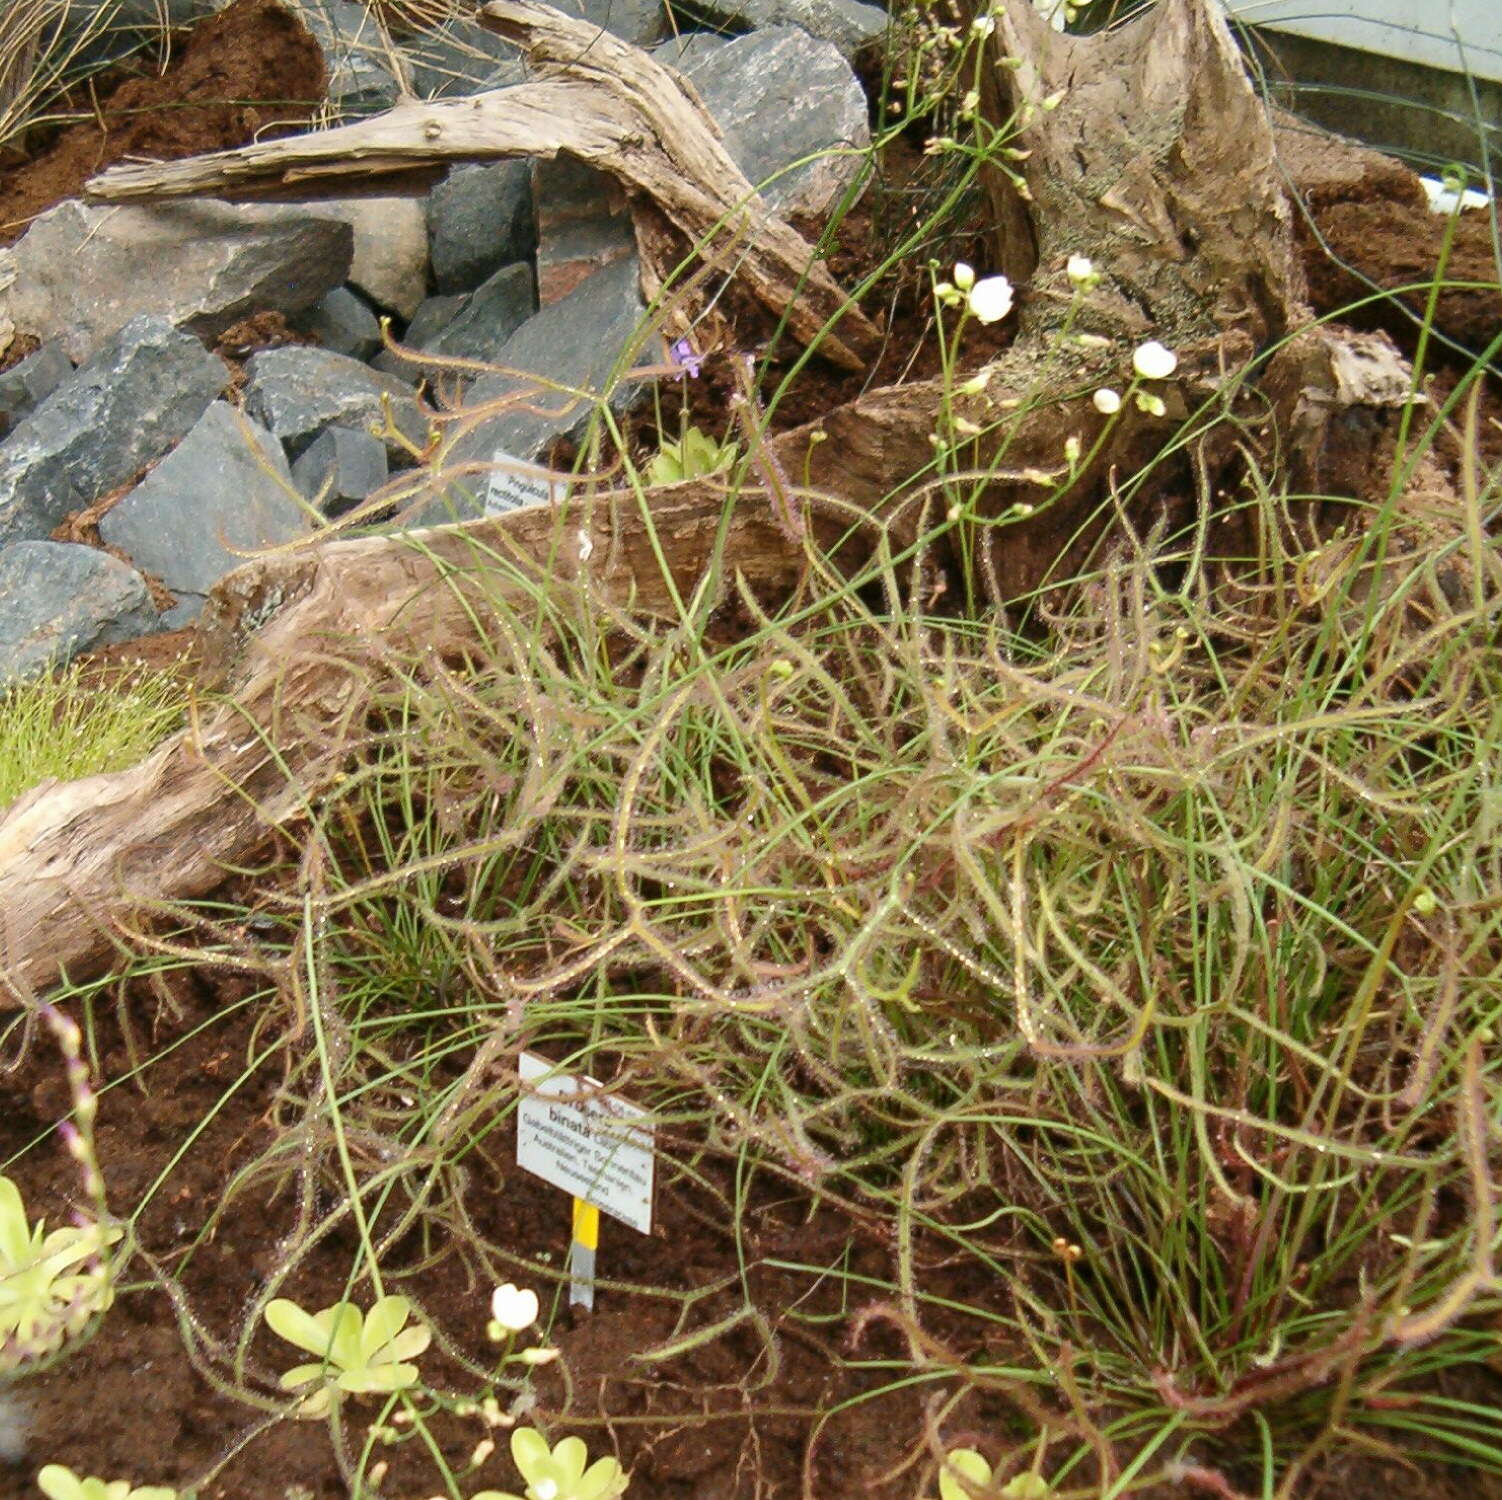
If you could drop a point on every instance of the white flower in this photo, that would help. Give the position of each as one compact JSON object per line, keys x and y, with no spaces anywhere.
{"x":983,"y":26}
{"x":512,"y":1308}
{"x":1153,"y":362}
{"x":964,"y":276}
{"x":990,"y":299}
{"x":1081,"y":272}
{"x":1106,"y":401}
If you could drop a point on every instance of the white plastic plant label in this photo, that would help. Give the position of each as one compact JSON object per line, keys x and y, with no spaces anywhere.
{"x":513,"y":484}
{"x":592,"y":1145}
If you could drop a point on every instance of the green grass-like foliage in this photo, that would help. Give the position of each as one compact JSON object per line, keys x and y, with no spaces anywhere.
{"x":51,"y":728}
{"x":1146,"y":962}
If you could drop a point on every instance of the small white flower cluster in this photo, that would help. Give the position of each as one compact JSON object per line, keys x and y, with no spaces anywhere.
{"x":987,"y":300}
{"x":1150,"y":361}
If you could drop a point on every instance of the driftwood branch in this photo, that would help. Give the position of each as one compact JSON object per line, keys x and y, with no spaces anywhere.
{"x":75,"y":857}
{"x":594,"y":98}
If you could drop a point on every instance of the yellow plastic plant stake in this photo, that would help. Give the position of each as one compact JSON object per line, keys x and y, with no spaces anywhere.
{"x":581,"y":1261}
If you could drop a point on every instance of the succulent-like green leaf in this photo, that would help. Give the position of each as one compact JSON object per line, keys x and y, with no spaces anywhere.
{"x":962,"y":1466}
{"x":287,"y":1320}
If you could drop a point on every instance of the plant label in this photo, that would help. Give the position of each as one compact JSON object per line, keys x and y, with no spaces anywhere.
{"x":514,"y":484}
{"x":572,"y":1134}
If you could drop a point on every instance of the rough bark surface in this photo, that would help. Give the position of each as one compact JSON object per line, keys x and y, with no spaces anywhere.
{"x":595,"y":98}
{"x":1156,"y":161}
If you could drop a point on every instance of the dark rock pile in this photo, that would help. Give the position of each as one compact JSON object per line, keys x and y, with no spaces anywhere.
{"x":186,"y":462}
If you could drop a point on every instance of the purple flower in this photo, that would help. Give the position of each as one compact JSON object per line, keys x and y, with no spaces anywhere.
{"x":682,"y":354}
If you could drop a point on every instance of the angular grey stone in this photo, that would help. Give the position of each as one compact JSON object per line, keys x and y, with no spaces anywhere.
{"x":488,"y":318}
{"x":459,"y":58}
{"x":778,"y":96}
{"x":390,"y":262}
{"x":479,"y":219}
{"x":643,"y":23}
{"x":578,"y":342}
{"x":137,"y":397}
{"x":427,"y":323}
{"x":682,"y":52}
{"x":340,"y":467}
{"x":849,"y":24}
{"x":224,"y":492}
{"x":30,"y":381}
{"x":354,"y":58}
{"x":295,"y":392}
{"x":82,"y":272}
{"x":342,"y":321}
{"x":59,"y":598}
{"x":583,"y":224}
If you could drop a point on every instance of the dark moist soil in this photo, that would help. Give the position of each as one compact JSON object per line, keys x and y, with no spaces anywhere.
{"x":251,"y":72}
{"x":770,"y":1411}
{"x":741,"y":1415}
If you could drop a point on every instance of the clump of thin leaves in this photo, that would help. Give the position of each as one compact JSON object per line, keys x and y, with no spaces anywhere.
{"x":49,"y":46}
{"x":1148,"y":964}
{"x":51,"y":728}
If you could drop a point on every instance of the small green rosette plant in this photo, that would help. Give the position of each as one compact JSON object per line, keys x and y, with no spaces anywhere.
{"x":51,"y":1284}
{"x":355,"y":1355}
{"x":561,"y":1473}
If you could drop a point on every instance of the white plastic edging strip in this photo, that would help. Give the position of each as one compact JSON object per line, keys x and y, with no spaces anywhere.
{"x":1460,"y":36}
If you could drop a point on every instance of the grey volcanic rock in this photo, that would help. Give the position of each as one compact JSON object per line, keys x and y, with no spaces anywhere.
{"x":480,"y":219}
{"x":341,"y":467}
{"x":427,"y":323}
{"x":295,"y":392}
{"x":137,"y":397}
{"x":683,"y":52}
{"x":435,"y":314}
{"x":778,"y":96}
{"x":640,"y":22}
{"x":29,"y":382}
{"x":81,"y":272}
{"x":488,"y":318}
{"x":343,"y":322}
{"x":579,"y":342}
{"x":848,"y":24}
{"x":360,"y":80}
{"x":390,"y":263}
{"x":58,"y":598}
{"x":461,"y":57}
{"x":223,"y":493}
